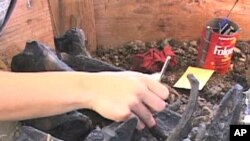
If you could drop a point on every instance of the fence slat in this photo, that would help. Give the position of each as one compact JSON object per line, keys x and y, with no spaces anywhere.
{"x":74,"y":13}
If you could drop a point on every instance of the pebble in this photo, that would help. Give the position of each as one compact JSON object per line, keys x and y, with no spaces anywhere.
{"x":180,"y":51}
{"x":187,"y":139}
{"x":192,"y":50}
{"x":193,"y":43}
{"x":215,"y":90}
{"x":166,"y":41}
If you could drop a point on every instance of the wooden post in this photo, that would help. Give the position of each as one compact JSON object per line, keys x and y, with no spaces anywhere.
{"x":74,"y":13}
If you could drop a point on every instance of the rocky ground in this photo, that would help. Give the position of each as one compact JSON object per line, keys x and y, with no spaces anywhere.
{"x":186,"y":53}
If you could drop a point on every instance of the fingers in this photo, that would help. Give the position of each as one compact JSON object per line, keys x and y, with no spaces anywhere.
{"x":144,"y":114}
{"x":154,"y":102}
{"x":140,"y":124}
{"x":157,"y":88}
{"x":150,"y":102}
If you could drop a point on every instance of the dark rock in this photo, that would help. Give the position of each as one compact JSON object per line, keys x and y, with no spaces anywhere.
{"x":97,"y":119}
{"x":71,"y":49}
{"x":228,"y":113}
{"x":72,"y":126}
{"x":83,"y":63}
{"x":144,"y":135}
{"x":73,"y":42}
{"x":125,"y":130}
{"x":8,"y":129}
{"x":175,"y":106}
{"x":166,"y":122}
{"x":26,"y":133}
{"x":95,"y":135}
{"x":37,"y":57}
{"x":114,"y":132}
{"x":184,"y":126}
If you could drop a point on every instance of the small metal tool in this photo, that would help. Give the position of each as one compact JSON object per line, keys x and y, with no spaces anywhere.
{"x":163,"y":70}
{"x":224,"y":24}
{"x":232,"y":8}
{"x":29,"y":3}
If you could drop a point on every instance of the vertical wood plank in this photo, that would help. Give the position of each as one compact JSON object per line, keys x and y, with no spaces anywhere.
{"x":120,"y":21}
{"x":26,"y":23}
{"x":74,"y":13}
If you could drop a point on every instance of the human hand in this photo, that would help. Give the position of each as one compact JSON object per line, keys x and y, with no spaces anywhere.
{"x":121,"y":95}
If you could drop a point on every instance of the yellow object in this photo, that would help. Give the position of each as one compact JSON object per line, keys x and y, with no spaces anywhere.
{"x":202,"y":75}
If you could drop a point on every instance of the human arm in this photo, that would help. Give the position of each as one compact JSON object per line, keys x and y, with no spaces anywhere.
{"x":116,"y":96}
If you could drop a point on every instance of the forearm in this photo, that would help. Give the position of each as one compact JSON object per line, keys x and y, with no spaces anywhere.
{"x":31,"y":95}
{"x":116,"y":96}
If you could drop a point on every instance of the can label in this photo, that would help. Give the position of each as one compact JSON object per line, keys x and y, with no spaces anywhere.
{"x":216,"y":50}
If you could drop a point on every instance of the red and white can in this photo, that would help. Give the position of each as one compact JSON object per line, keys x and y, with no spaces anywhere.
{"x":216,"y":49}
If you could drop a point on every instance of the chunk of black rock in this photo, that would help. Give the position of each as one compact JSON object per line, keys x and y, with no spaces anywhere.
{"x":166,"y":121}
{"x":125,"y":130}
{"x":228,"y":113}
{"x":114,"y":132}
{"x":72,"y":126}
{"x":26,"y":133}
{"x":83,"y":63}
{"x":73,"y":42}
{"x":95,"y":135}
{"x":37,"y":57}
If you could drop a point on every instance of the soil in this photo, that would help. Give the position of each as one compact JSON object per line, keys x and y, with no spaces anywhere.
{"x":186,"y":53}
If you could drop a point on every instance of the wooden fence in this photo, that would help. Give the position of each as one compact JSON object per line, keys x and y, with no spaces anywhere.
{"x":120,"y":21}
{"x":27,"y":22}
{"x":112,"y":23}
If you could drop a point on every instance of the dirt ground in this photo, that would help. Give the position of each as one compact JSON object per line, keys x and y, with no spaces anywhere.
{"x":186,"y":52}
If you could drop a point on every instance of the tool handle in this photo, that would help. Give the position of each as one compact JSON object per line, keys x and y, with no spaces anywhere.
{"x":232,"y":8}
{"x":163,"y":70}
